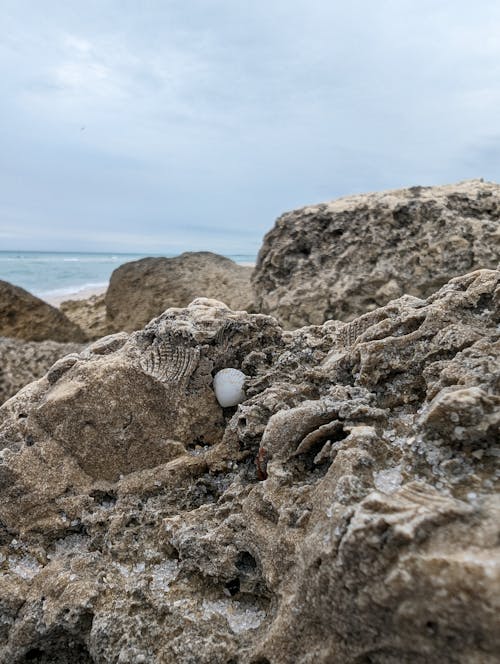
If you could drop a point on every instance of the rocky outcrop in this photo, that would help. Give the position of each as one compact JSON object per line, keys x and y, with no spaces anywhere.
{"x":340,"y":259}
{"x":24,"y":316}
{"x":89,"y":314}
{"x":140,"y":290}
{"x":22,"y":362}
{"x":346,"y":512}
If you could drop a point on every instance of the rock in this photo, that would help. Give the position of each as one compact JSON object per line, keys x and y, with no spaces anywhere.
{"x":22,"y":362}
{"x":142,"y":289}
{"x":347,"y":511}
{"x":90,"y":315}
{"x":24,"y":316}
{"x":340,"y":259}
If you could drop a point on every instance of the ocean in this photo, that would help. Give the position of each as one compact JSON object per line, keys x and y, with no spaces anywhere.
{"x":55,"y":274}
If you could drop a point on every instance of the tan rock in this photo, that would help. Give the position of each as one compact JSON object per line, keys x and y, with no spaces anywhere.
{"x":89,"y":314}
{"x":340,"y":259}
{"x":140,"y":290}
{"x":24,"y":316}
{"x":347,"y":511}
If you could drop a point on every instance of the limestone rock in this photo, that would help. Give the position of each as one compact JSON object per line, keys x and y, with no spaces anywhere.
{"x":140,"y":290}
{"x":89,"y":314}
{"x":24,"y":316}
{"x":347,"y":512}
{"x":22,"y":362}
{"x":340,"y":259}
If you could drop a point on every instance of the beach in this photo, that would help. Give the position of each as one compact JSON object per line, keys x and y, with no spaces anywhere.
{"x":81,"y":294}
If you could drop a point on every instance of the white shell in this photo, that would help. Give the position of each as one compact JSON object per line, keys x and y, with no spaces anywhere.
{"x":228,"y":387}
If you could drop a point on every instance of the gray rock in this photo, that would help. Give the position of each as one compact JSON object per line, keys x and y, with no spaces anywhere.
{"x":346,"y":512}
{"x":340,"y":259}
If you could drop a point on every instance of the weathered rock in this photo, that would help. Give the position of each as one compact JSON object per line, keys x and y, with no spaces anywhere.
{"x":90,"y":315}
{"x":22,"y":362}
{"x":340,"y":259}
{"x":24,"y":316}
{"x":346,"y":512}
{"x":140,"y":290}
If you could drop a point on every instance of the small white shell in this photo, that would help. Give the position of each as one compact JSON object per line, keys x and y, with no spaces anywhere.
{"x":228,"y":387}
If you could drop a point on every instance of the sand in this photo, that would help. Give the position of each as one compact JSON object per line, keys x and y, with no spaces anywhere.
{"x":82,"y":294}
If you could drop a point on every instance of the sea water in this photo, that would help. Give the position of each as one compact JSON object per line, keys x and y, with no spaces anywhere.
{"x":53,"y":274}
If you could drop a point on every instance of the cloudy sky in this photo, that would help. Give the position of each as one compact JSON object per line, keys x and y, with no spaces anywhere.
{"x":168,"y":125}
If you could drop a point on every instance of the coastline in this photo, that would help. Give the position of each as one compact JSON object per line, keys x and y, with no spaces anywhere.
{"x":82,"y":294}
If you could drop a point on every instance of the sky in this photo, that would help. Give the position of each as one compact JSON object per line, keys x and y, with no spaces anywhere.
{"x":172,"y":125}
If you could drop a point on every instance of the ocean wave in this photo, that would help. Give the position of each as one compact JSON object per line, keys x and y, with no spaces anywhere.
{"x":12,"y":257}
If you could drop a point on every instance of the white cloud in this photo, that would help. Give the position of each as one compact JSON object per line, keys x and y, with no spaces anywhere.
{"x":90,"y":72}
{"x":77,"y":44}
{"x":225,"y":113}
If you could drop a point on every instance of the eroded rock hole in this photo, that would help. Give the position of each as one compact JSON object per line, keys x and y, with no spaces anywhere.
{"x":197,"y":442}
{"x":402,"y":216}
{"x":205,"y":490}
{"x":483,"y":304}
{"x":132,"y":522}
{"x":431,"y":627}
{"x":409,"y":326}
{"x":58,"y":648}
{"x":233,"y":586}
{"x":246,"y":563}
{"x":312,"y":457}
{"x":103,"y":498}
{"x":336,"y":232}
{"x":6,"y":536}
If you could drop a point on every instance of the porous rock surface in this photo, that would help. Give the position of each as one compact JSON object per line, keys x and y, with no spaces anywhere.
{"x":346,"y":511}
{"x":140,"y":290}
{"x":22,"y":362}
{"x":24,"y":316}
{"x":340,"y":259}
{"x":89,"y":314}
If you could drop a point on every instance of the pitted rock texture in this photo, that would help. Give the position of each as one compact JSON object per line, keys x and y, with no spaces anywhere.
{"x":346,"y":512}
{"x":90,"y":315}
{"x":22,"y":362}
{"x":24,"y":316}
{"x":140,"y":290}
{"x":340,"y":259}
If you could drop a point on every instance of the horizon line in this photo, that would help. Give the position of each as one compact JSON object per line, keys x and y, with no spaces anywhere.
{"x":120,"y":253}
